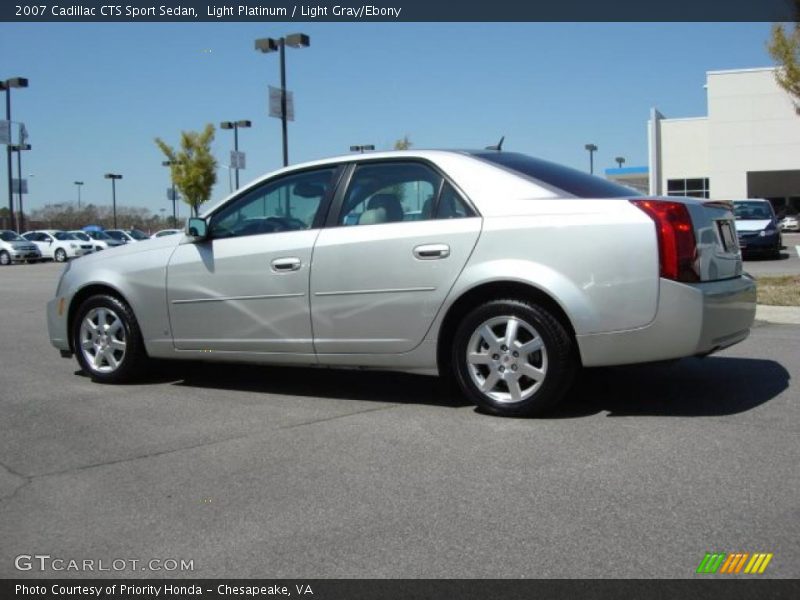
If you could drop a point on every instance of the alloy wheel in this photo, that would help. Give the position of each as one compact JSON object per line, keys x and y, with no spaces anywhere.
{"x":507,"y":359}
{"x":102,"y":340}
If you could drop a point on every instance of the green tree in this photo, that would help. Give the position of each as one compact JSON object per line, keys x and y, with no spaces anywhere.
{"x":403,"y":143}
{"x":784,"y":46}
{"x":194,"y":168}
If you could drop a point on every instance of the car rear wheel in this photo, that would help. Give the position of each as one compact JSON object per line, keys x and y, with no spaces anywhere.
{"x":513,"y":358}
{"x":107,"y":340}
{"x":60,"y":255}
{"x":5,"y":258}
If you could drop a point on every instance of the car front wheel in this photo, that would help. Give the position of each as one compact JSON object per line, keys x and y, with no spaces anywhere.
{"x":60,"y":255}
{"x":5,"y":258}
{"x":513,"y":358}
{"x":107,"y":340}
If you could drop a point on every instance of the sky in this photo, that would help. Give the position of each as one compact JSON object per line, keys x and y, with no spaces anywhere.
{"x":100,"y":93}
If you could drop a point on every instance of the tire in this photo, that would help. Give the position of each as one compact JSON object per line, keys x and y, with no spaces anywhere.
{"x":60,"y":255}
{"x":5,"y":258}
{"x":501,"y":377}
{"x":107,"y":340}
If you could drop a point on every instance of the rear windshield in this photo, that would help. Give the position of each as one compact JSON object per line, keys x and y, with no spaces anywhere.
{"x":573,"y":182}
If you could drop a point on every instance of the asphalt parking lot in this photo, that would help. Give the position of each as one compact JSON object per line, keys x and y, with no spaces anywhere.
{"x":284,"y":472}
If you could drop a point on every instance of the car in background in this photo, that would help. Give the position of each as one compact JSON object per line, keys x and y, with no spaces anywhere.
{"x":127,"y":236}
{"x":757,"y":227}
{"x":164,"y":232}
{"x":518,"y":272}
{"x":58,"y":245}
{"x":790,"y":223}
{"x":15,"y":248}
{"x":99,"y":239}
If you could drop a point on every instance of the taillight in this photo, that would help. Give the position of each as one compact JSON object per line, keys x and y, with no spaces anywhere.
{"x":677,"y":248}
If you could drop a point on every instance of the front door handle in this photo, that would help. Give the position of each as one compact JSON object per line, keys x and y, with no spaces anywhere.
{"x":284,"y":265}
{"x":432,"y":251}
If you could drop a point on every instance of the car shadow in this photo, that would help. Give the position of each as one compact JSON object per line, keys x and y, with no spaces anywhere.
{"x":342,"y":384}
{"x":693,"y":387}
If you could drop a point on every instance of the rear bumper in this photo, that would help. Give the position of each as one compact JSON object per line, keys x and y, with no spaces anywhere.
{"x":692,"y":320}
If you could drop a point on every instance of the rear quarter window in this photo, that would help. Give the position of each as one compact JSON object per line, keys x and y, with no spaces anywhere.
{"x":564,"y":179}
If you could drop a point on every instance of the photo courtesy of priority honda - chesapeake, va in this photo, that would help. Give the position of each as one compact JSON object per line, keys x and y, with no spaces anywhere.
{"x":505,"y":272}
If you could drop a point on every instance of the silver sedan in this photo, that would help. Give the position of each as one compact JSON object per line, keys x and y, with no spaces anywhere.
{"x":502,"y":271}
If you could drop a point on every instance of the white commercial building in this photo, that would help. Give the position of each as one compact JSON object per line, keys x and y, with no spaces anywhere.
{"x":747,"y":147}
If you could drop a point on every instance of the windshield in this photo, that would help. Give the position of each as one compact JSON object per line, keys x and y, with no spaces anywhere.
{"x":751,"y":211}
{"x":117,"y":235}
{"x":138,"y":235}
{"x":81,"y":236}
{"x":98,"y":235}
{"x":10,"y":236}
{"x":63,"y":235}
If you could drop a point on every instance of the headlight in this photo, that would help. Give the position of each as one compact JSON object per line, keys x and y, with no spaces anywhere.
{"x":73,"y":245}
{"x":768,"y":231}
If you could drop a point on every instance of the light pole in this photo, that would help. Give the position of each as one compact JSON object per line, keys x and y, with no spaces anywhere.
{"x":174,"y":195}
{"x":592,"y":149}
{"x":19,"y":149}
{"x":113,"y":177}
{"x":266,"y":45}
{"x":620,"y":160}
{"x":361,"y":149}
{"x":235,"y":125}
{"x":79,"y":184}
{"x":14,"y":82}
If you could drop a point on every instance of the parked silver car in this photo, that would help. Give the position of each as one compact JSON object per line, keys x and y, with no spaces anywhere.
{"x":516,"y":272}
{"x":15,"y":248}
{"x":99,"y":239}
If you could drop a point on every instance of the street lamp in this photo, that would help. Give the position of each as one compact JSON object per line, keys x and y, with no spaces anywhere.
{"x":620,"y":160}
{"x":113,"y":177}
{"x":266,"y":45}
{"x":592,"y":149}
{"x":235,"y":125}
{"x":14,"y":82}
{"x":79,"y":184}
{"x":361,"y":149}
{"x":19,"y":149}
{"x":174,"y":195}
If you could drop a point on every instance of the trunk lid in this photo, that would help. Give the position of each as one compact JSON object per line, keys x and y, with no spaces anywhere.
{"x":718,"y":253}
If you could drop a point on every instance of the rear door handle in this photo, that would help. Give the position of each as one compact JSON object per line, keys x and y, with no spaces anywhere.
{"x":432,"y":251}
{"x":284,"y":265}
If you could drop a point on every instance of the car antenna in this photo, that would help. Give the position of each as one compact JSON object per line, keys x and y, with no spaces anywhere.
{"x":498,"y":146}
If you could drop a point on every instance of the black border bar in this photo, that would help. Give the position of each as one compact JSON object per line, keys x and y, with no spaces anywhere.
{"x":700,"y":588}
{"x":398,"y":10}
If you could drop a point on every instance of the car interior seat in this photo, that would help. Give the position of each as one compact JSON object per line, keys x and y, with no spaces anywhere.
{"x":382,"y":208}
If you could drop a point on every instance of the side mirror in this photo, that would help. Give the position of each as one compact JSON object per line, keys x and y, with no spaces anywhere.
{"x":196,"y":227}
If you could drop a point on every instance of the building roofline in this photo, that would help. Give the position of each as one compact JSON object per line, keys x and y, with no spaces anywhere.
{"x":672,"y":120}
{"x":642,"y":170}
{"x":731,"y":71}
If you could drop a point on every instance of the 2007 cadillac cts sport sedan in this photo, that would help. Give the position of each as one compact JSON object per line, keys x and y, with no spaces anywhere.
{"x":503,"y":271}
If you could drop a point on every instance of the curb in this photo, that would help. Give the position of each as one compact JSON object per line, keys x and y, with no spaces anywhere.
{"x":789,"y":315}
